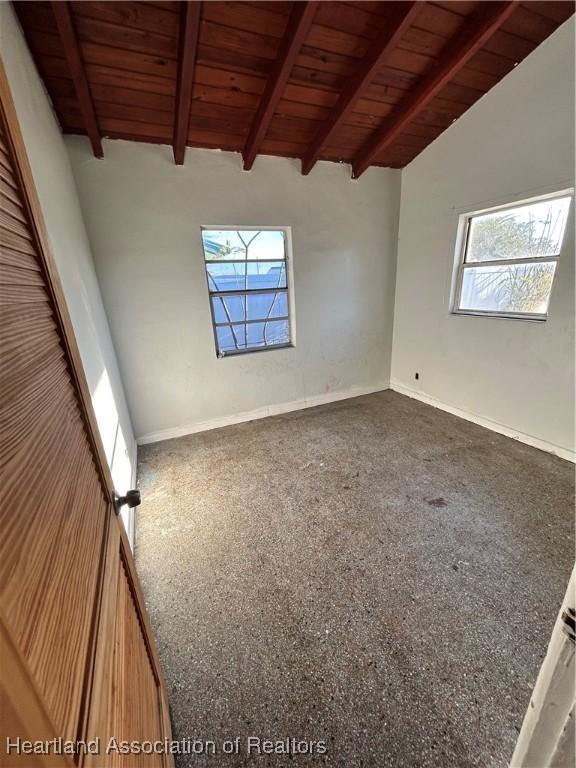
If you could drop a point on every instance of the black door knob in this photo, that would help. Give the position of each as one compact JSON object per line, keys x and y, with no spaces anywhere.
{"x":132,"y":499}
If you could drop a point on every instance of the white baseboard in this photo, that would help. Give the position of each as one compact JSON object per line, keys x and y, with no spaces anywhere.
{"x":259,"y":413}
{"x":495,"y":426}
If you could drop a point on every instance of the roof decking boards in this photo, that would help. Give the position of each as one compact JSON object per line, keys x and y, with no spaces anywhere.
{"x":339,"y":73}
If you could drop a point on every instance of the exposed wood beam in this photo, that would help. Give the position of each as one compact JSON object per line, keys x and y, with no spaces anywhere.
{"x":457,"y":53}
{"x":189,"y":31}
{"x":401,"y":18}
{"x":294,"y":36}
{"x":69,"y":38}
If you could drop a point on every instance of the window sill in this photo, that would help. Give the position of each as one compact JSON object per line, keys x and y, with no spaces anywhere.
{"x":241,"y":352}
{"x":500,"y":315}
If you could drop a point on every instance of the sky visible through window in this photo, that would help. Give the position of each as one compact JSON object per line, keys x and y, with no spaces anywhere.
{"x":229,"y":244}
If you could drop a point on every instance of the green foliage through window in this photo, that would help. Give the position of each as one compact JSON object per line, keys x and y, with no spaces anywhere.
{"x":511,"y":257}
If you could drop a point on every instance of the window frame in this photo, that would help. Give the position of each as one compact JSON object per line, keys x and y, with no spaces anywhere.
{"x":288,"y":290}
{"x":463,"y":265}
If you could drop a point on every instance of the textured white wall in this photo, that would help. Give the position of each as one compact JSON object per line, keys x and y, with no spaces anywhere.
{"x":517,"y":142}
{"x":144,"y":215}
{"x":57,"y":192}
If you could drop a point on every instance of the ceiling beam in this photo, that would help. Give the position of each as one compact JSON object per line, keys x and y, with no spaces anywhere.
{"x":73,"y":54}
{"x":401,"y":18}
{"x":298,"y":25}
{"x":189,"y":31}
{"x":455,"y":56}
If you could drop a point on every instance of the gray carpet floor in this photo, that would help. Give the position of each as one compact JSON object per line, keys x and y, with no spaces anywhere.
{"x":373,"y":574}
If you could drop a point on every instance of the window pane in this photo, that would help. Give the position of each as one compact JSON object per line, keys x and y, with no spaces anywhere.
{"x":269,"y":333}
{"x":530,"y":231}
{"x":229,"y":276}
{"x":509,"y":288}
{"x":233,"y":245}
{"x":227,"y":341}
{"x":258,"y":306}
{"x":253,"y":335}
{"x":262,"y":306}
{"x":228,"y":308}
{"x":241,"y":276}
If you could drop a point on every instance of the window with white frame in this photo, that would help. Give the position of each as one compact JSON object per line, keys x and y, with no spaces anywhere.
{"x":248,"y":287}
{"x":509,"y":258}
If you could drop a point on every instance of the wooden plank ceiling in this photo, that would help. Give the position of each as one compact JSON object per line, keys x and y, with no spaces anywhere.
{"x":365,"y":83}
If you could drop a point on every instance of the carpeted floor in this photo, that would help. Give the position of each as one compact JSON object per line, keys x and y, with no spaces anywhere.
{"x":374,"y":574}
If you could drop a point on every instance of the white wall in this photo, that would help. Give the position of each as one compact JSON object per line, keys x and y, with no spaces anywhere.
{"x":144,"y":215}
{"x":518,"y":141}
{"x":59,"y":200}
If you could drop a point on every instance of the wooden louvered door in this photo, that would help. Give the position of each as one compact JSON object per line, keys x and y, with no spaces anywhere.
{"x":77,"y":659}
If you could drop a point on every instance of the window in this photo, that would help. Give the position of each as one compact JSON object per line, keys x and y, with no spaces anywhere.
{"x":510,"y":256}
{"x":248,"y":288}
